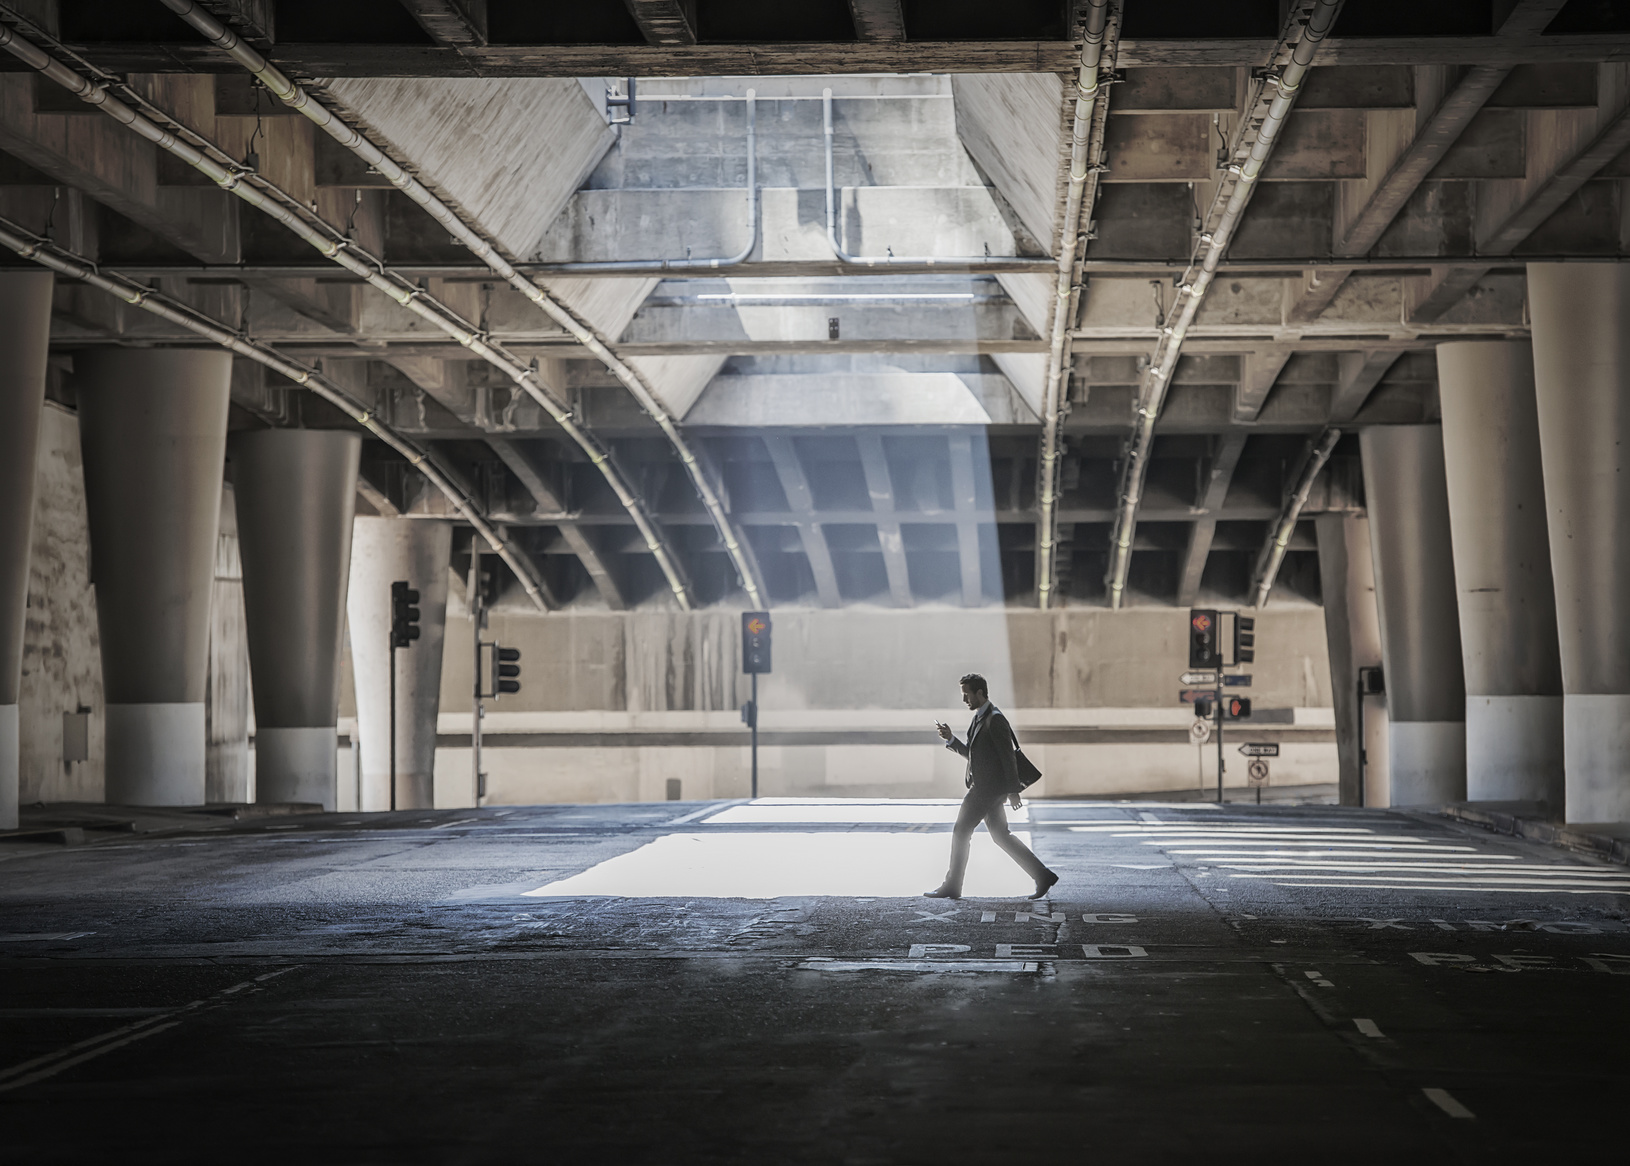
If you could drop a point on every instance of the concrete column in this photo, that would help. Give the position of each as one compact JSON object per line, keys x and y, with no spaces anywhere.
{"x":1352,"y":626}
{"x":226,"y":697}
{"x":25,"y":333}
{"x":296,"y":501}
{"x":383,"y":551}
{"x":1502,"y":572}
{"x":1408,"y":504}
{"x":1581,"y":332}
{"x":152,"y":428}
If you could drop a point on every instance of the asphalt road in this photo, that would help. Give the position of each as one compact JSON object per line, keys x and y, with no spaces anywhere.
{"x":681,"y":983}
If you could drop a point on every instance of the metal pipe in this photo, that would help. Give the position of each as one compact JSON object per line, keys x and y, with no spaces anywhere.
{"x":1087,"y":124}
{"x":1273,"y":551}
{"x":658,"y":266}
{"x":65,"y":262}
{"x":1233,"y":193}
{"x":1014,"y":262}
{"x":298,"y":99}
{"x":266,"y":197}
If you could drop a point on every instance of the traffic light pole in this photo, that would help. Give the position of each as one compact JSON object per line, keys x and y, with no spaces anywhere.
{"x":754,"y":727}
{"x":473,"y":591}
{"x":1218,"y":702}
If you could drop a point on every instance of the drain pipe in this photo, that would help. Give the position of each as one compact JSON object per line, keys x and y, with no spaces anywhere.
{"x":1273,"y":551}
{"x":65,"y":262}
{"x":298,"y":99}
{"x":1087,"y":131}
{"x":1249,"y":157}
{"x":346,"y":254}
{"x":1008,"y":262}
{"x":657,"y":266}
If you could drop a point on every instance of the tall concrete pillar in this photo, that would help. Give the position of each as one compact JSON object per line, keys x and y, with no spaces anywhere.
{"x":152,"y":429}
{"x":385,"y":550}
{"x":1502,"y":572}
{"x":1581,"y":331}
{"x":296,"y":493}
{"x":1408,"y":504}
{"x":226,"y":696}
{"x":25,"y":333}
{"x":1352,"y":626}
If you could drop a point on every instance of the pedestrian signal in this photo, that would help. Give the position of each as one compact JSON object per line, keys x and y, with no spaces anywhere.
{"x":1203,"y":647}
{"x":404,"y":614}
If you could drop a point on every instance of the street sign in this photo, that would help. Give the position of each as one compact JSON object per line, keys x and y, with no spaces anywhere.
{"x":1238,"y":680}
{"x":1258,"y":749}
{"x":1198,"y":678}
{"x":1257,"y":771}
{"x":1200,"y":731}
{"x":1190,"y":695}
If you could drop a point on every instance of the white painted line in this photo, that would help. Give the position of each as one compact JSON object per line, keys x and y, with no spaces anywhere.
{"x":43,"y":936}
{"x":49,"y":1065}
{"x":1368,"y":1027}
{"x":1445,"y":1101}
{"x":831,"y":965}
{"x":710,"y":808}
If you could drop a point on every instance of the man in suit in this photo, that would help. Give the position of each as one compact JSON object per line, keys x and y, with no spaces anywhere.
{"x":992,"y":778}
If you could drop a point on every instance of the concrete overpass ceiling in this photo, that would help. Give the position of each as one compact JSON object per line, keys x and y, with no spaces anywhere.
{"x":873,"y":432}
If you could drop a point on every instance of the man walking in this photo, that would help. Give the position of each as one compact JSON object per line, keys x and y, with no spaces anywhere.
{"x":992,"y":778}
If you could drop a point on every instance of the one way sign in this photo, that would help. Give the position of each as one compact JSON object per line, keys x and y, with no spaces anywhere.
{"x":1258,"y":749}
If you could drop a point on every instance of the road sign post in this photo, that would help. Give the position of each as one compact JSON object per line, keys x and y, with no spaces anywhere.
{"x":1257,"y":773}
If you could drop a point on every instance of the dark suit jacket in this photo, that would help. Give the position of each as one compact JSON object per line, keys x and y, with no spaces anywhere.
{"x":989,"y":750}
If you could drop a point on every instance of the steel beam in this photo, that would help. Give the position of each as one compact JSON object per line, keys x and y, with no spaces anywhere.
{"x":454,"y":23}
{"x":1360,"y":373}
{"x":880,"y":485}
{"x":965,"y":495}
{"x":1223,"y":463}
{"x":664,"y":22}
{"x":878,"y":20}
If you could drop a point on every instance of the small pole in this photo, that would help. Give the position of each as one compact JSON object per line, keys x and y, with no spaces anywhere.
{"x":393,"y":721}
{"x":1361,"y":755}
{"x":473,"y":591}
{"x":754,"y":727}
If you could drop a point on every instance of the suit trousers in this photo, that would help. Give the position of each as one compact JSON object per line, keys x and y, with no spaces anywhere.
{"x":987,"y":805}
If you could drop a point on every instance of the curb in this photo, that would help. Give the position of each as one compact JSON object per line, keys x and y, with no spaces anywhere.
{"x":1603,"y":846}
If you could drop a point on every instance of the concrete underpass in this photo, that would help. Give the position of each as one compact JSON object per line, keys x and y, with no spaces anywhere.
{"x":541,"y":544}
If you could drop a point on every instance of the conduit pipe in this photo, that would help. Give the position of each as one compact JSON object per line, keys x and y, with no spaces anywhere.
{"x":1249,"y":157}
{"x":1009,"y":262}
{"x":298,"y":99}
{"x":65,"y":262}
{"x":348,"y":255}
{"x":1273,"y":551}
{"x":657,"y":266}
{"x":1087,"y":130}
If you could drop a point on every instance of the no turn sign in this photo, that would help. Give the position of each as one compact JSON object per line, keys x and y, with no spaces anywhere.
{"x":1258,"y":772}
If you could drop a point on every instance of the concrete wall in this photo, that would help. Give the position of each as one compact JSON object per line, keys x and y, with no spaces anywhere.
{"x":614,"y":705}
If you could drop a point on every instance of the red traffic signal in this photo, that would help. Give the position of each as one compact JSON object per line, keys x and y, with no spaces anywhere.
{"x":1239,"y":708}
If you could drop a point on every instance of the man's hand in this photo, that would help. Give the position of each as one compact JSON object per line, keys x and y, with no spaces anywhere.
{"x":944,"y":730}
{"x":1013,"y":800}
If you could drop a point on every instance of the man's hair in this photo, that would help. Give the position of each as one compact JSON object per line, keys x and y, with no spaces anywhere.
{"x":976,"y":682}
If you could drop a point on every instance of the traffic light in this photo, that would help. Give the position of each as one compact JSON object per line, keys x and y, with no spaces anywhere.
{"x":404,"y":614}
{"x":755,"y":642}
{"x":1202,"y":709}
{"x":1203,"y":647}
{"x":505,"y":669}
{"x":1239,"y":708}
{"x":1244,"y":639}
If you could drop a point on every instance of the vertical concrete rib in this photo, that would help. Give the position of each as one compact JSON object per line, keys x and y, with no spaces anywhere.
{"x":384,"y":550}
{"x":152,"y":429}
{"x":1502,"y":553}
{"x":25,"y":334}
{"x":1581,"y":335}
{"x":296,"y":492}
{"x":874,"y":463}
{"x":1420,"y":631}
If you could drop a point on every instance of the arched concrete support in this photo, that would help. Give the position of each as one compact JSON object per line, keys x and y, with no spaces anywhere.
{"x":1420,"y":632}
{"x":1502,"y":572}
{"x":383,"y":551}
{"x":296,"y":493}
{"x":1581,"y":332}
{"x":152,"y":428}
{"x":25,"y":332}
